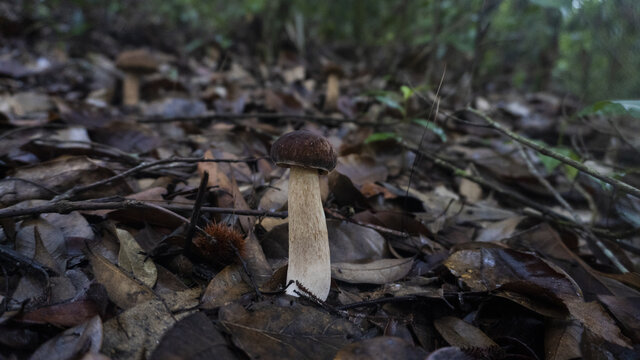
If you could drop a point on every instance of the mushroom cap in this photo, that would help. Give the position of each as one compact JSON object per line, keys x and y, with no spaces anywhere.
{"x":304,"y":149}
{"x":333,"y":68}
{"x":140,"y":61}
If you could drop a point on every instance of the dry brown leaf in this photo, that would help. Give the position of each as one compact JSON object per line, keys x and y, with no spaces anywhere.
{"x":73,"y":342}
{"x":132,"y":258}
{"x":627,"y":311}
{"x":135,"y":333}
{"x":562,"y":340}
{"x":70,"y":171}
{"x":462,"y":334}
{"x":122,"y":289}
{"x":379,"y":271}
{"x":499,"y":230}
{"x":193,"y":337}
{"x":361,"y":169}
{"x":287,"y":330}
{"x":597,"y":320}
{"x":471,"y":191}
{"x":226,"y":287}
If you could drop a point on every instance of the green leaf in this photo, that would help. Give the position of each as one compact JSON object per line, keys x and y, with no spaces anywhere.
{"x":390,"y":103}
{"x":382,"y":136}
{"x":407,"y":92}
{"x":430,"y":125}
{"x":614,"y":108}
{"x":550,"y":164}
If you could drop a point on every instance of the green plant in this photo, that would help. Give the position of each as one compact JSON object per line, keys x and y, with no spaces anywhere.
{"x":400,"y":102}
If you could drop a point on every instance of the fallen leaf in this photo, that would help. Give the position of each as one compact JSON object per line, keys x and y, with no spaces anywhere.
{"x":122,"y":289}
{"x":499,"y":230}
{"x":598,"y":321}
{"x":70,"y":171}
{"x":273,"y":331}
{"x":193,"y":337}
{"x":562,"y":339}
{"x":379,"y":271}
{"x":73,"y":342}
{"x":627,"y":311}
{"x":39,"y":240}
{"x":136,"y":332}
{"x":487,"y":269}
{"x":361,"y":169}
{"x":381,"y":348}
{"x":133,"y":259}
{"x":471,"y":191}
{"x":449,"y":353}
{"x":462,"y":334}
{"x":226,"y":287}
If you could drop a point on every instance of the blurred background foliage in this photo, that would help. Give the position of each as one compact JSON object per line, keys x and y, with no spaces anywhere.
{"x":588,"y":48}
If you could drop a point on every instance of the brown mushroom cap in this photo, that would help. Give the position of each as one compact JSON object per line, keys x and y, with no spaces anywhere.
{"x":140,"y":61}
{"x":333,"y":68}
{"x":304,"y":149}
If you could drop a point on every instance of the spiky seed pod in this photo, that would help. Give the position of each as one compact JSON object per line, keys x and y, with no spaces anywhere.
{"x":220,"y":252}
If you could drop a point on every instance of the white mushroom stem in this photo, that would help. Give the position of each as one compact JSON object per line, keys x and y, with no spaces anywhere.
{"x":131,"y":88}
{"x":333,"y":92}
{"x":309,"y":258}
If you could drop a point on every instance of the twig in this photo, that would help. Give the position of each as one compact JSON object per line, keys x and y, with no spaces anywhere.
{"x":262,"y":116}
{"x":624,"y":187}
{"x":558,"y":218}
{"x":378,"y":301}
{"x":569,"y":208}
{"x":146,"y":165}
{"x":65,"y":206}
{"x":467,"y":175}
{"x":21,"y":261}
{"x":195,"y":214}
{"x":380,"y":229}
{"x":100,"y":149}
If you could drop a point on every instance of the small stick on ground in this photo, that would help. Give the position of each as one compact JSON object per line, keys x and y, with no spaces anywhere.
{"x":143,"y":166}
{"x":65,"y":207}
{"x":589,"y":236}
{"x":622,"y":186}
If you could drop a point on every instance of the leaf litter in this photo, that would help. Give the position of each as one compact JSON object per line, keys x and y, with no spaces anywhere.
{"x":444,"y":243}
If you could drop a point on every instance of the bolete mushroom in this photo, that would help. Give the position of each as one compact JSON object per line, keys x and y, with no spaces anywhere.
{"x":307,"y":155}
{"x":334,"y":73}
{"x":135,"y":64}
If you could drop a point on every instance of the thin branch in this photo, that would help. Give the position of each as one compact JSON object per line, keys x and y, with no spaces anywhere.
{"x":65,"y":206}
{"x":495,"y":187}
{"x":262,"y":116}
{"x":381,"y":229}
{"x":146,"y":165}
{"x":589,"y":235}
{"x":622,"y":186}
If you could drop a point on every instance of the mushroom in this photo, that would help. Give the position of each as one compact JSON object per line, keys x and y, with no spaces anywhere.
{"x":135,"y":64}
{"x":307,"y":155}
{"x":334,"y":73}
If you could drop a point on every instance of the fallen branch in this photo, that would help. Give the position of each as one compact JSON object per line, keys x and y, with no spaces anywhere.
{"x":588,"y":235}
{"x":64,"y":207}
{"x":143,"y":166}
{"x":617,"y":184}
{"x":261,"y":116}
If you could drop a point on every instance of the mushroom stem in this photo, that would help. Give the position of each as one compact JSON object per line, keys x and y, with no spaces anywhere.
{"x":309,"y":258}
{"x":333,"y":92}
{"x":131,"y":89}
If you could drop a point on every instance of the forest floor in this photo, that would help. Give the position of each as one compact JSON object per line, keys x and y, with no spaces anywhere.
{"x":451,"y":235}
